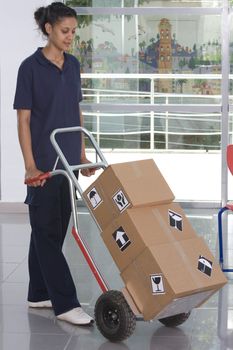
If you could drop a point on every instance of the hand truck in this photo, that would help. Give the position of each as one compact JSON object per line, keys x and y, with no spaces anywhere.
{"x":115,"y":311}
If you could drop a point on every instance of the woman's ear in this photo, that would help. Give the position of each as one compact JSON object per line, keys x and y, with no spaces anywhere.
{"x":48,"y":28}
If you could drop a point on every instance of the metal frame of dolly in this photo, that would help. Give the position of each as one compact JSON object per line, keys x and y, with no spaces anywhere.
{"x":118,"y":312}
{"x":74,"y":184}
{"x":228,"y":206}
{"x":115,"y":311}
{"x":220,"y":236}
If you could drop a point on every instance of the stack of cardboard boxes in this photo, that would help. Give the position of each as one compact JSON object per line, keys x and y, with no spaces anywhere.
{"x":167,"y":269}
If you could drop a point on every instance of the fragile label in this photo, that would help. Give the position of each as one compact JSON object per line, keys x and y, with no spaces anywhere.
{"x":175,"y":220}
{"x":121,"y":238}
{"x":120,"y":200}
{"x":205,"y":265}
{"x":94,"y":198}
{"x":157,"y":284}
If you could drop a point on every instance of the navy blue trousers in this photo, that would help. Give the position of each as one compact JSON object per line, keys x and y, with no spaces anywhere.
{"x":50,"y":277}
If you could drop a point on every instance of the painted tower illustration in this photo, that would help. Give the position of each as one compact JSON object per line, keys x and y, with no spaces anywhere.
{"x":165,"y":53}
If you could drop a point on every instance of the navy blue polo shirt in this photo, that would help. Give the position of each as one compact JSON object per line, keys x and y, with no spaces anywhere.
{"x":53,"y":96}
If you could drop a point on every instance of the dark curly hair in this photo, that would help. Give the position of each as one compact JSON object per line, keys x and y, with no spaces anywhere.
{"x":52,"y":14}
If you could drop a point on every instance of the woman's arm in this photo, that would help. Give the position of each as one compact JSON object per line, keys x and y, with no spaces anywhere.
{"x":25,"y":141}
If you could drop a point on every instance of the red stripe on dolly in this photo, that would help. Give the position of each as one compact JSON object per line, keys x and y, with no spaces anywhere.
{"x":89,"y":260}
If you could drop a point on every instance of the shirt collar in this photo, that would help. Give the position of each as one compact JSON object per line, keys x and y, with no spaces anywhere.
{"x":45,"y":62}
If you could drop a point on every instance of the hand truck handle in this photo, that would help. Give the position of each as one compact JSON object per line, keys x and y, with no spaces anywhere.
{"x":70,"y":169}
{"x":40,"y":177}
{"x":102,"y":164}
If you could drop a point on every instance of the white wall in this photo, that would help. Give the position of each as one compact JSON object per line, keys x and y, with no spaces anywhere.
{"x":19,"y":39}
{"x":191,"y":176}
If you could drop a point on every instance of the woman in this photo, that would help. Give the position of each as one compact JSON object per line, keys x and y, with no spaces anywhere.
{"x":47,"y":97}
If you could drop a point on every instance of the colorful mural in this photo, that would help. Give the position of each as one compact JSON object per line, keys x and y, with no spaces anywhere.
{"x":162,"y":53}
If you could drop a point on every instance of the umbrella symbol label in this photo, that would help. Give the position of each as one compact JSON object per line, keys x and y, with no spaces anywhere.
{"x":157,"y":284}
{"x":121,"y":238}
{"x":175,"y":220}
{"x":205,"y":265}
{"x":120,"y":200}
{"x":94,"y":198}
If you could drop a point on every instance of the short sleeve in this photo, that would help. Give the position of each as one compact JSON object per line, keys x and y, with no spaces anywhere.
{"x":23,"y":93}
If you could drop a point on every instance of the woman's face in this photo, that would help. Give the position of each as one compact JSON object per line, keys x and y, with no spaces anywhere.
{"x":62,"y":33}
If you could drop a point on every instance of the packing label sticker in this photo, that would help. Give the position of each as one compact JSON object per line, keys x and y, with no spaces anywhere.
{"x":120,"y":200}
{"x":121,"y":238}
{"x":94,"y":198}
{"x":205,"y":265}
{"x":157,"y":284}
{"x":175,"y":220}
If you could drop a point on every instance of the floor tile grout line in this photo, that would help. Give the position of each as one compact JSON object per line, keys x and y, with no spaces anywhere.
{"x":68,"y":342}
{"x":36,"y":333}
{"x":19,"y":264}
{"x":70,"y":336}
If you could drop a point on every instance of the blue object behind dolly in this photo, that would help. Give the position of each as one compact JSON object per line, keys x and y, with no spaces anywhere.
{"x":228,"y":206}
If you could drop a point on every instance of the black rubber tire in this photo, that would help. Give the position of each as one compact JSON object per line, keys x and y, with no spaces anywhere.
{"x":114,"y":318}
{"x":176,"y":320}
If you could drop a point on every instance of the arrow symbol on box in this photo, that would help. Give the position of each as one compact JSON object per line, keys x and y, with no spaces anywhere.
{"x":119,"y":237}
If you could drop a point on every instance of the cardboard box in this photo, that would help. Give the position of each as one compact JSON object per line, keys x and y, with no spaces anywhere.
{"x":137,"y":228}
{"x":125,"y":185}
{"x":172,"y":278}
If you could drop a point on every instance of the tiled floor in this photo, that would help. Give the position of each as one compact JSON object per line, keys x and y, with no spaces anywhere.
{"x":208,"y":328}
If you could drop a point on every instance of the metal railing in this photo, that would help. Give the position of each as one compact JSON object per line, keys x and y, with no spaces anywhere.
{"x":100,"y":103}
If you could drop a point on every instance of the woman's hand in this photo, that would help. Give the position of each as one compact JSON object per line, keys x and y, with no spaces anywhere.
{"x":87,"y":171}
{"x":34,"y":172}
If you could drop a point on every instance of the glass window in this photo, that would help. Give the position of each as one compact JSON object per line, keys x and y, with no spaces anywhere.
{"x":198,"y":131}
{"x":231,"y":61}
{"x":145,"y":3}
{"x":150,"y":89}
{"x":116,"y":44}
{"x":152,"y":84}
{"x":136,"y":45}
{"x":152,"y":46}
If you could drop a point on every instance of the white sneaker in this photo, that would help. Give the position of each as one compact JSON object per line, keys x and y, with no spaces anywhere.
{"x":40,"y":304}
{"x":76,"y":316}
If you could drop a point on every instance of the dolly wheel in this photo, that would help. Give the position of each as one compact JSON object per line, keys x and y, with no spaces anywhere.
{"x":176,"y":320}
{"x":114,"y":318}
